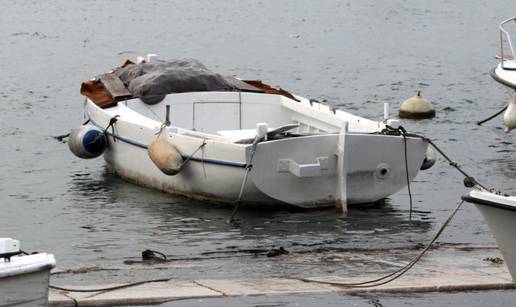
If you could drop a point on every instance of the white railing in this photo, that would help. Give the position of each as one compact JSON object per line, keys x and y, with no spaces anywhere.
{"x":505,"y":34}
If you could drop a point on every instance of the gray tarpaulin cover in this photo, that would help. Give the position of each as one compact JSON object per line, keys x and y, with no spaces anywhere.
{"x":153,"y":81}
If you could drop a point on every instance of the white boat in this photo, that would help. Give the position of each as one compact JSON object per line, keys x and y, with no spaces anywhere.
{"x":505,"y":71}
{"x":254,"y":143}
{"x":23,"y":279}
{"x":500,"y":213}
{"x":500,"y":210}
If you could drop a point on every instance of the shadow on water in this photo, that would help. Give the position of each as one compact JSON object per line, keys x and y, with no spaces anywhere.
{"x":201,"y":228}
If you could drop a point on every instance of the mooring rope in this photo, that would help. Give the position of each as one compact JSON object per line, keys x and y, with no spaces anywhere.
{"x":161,"y":128}
{"x":365,"y":284}
{"x":61,"y":137}
{"x":480,"y":122}
{"x":248,"y":168}
{"x":396,"y":274}
{"x":404,"y":132}
{"x":469,"y":181}
{"x":192,"y":154}
{"x":111,"y":124}
{"x":110,"y":288}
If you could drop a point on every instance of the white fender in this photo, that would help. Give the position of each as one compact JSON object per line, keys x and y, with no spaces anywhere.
{"x":165,"y":156}
{"x":87,"y":142}
{"x":509,"y":117}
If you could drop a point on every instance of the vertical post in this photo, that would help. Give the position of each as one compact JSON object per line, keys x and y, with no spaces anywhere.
{"x":240,"y":108}
{"x":385,"y":111}
{"x":151,"y":57}
{"x":341,"y":200}
{"x":501,"y":49}
{"x":167,"y":115}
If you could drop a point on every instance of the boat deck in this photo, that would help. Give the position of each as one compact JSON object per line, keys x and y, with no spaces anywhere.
{"x":445,"y":268}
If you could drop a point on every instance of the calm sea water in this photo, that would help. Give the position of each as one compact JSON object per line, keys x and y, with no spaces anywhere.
{"x":353,"y":54}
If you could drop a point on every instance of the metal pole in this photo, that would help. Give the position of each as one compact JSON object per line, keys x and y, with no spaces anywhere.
{"x":501,"y":48}
{"x":167,"y":115}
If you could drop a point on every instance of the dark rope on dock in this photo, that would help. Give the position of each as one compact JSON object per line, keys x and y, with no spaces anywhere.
{"x":109,"y":288}
{"x":492,"y":116}
{"x":396,"y":274}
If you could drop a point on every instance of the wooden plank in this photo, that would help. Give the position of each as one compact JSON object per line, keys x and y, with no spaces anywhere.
{"x":241,"y":85}
{"x":115,"y":87}
{"x":96,"y":92}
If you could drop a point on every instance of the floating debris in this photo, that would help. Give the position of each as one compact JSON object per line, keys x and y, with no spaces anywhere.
{"x":495,"y":260}
{"x":277,"y":252}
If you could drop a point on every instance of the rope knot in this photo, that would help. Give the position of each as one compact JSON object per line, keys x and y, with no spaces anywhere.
{"x":111,"y":124}
{"x":469,"y":182}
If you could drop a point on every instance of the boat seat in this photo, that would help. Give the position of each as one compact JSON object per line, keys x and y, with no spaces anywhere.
{"x":237,"y":135}
{"x":249,"y":134}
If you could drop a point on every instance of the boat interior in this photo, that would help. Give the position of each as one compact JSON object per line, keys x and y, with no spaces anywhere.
{"x":233,"y":115}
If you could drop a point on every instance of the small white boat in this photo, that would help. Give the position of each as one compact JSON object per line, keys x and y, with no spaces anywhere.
{"x":23,"y":279}
{"x":243,"y":141}
{"x":505,"y":71}
{"x":500,"y":213}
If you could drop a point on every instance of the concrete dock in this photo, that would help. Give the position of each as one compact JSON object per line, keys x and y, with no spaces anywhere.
{"x":445,"y":268}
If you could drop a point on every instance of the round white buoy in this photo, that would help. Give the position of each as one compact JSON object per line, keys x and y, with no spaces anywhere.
{"x":509,"y":117}
{"x":416,"y":107}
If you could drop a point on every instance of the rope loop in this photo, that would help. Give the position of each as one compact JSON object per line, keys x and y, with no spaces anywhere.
{"x":193,"y":153}
{"x":111,"y":124}
{"x":161,"y":128}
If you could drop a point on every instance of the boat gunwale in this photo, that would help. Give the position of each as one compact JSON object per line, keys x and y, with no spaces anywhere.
{"x":195,"y":159}
{"x":37,"y":263}
{"x":499,"y":79}
{"x":490,"y":203}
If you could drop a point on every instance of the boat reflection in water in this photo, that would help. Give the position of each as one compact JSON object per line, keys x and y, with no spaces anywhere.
{"x":128,"y":219}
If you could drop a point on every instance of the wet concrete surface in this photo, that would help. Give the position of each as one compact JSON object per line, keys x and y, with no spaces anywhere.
{"x":443,"y":269}
{"x":355,"y":55}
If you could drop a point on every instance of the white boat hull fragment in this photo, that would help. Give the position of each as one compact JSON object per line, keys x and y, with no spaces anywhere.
{"x":24,"y":280}
{"x":500,"y":213}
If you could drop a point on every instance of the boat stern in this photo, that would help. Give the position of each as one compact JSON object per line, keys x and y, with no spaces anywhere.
{"x":305,"y":171}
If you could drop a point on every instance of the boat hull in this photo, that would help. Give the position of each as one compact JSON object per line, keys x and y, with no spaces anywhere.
{"x":505,"y":75}
{"x":24,"y":280}
{"x":217,"y":169}
{"x":25,"y":290}
{"x":220,"y":181}
{"x":500,"y":213}
{"x":374,"y":168}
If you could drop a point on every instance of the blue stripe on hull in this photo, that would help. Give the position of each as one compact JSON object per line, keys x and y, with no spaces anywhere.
{"x":144,"y":146}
